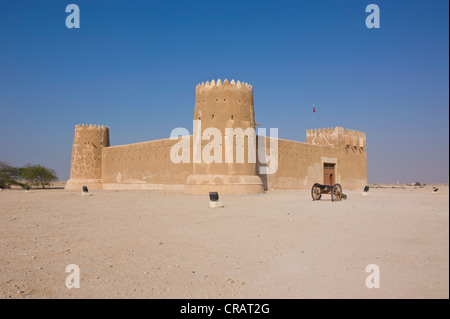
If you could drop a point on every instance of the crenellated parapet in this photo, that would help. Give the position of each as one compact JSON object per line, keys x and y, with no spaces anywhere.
{"x":336,"y":137}
{"x":90,"y":126}
{"x":219,"y":84}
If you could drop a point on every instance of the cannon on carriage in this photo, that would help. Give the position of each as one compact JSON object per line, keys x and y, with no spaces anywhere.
{"x":335,"y":190}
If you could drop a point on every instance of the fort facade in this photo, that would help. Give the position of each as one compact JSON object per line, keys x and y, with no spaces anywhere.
{"x":329,"y":156}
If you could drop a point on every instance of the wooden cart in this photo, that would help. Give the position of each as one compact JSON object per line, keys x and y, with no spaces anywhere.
{"x":335,"y":190}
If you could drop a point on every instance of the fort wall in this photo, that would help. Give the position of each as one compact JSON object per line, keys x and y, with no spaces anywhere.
{"x":300,"y":165}
{"x":145,"y":165}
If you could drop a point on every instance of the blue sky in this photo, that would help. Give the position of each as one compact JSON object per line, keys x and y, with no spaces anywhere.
{"x":134,"y":65}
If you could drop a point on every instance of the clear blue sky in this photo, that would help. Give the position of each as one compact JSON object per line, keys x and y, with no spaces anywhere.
{"x":134,"y":65}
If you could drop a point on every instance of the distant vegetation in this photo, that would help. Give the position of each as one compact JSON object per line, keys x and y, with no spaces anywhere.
{"x":29,"y":175}
{"x":9,"y":176}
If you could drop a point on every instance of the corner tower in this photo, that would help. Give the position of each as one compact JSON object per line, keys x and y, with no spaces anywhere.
{"x":227,"y":105}
{"x":86,"y":165}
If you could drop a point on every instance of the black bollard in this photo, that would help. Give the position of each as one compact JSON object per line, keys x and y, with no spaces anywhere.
{"x":85,"y":191}
{"x":214,"y":196}
{"x":214,"y":200}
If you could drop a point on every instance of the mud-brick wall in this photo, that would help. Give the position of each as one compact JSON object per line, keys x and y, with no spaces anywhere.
{"x":88,"y":142}
{"x":300,"y":165}
{"x":352,"y":167}
{"x":143,"y":163}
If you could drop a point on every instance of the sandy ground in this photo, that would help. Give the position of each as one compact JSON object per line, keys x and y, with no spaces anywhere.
{"x":155,"y":244}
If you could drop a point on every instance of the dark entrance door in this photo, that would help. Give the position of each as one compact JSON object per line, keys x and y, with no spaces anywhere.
{"x":329,"y":174}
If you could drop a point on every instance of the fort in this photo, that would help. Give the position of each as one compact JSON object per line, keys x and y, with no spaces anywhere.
{"x":330,"y":155}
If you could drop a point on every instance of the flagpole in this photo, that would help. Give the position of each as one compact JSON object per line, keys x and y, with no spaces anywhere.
{"x":314,"y":120}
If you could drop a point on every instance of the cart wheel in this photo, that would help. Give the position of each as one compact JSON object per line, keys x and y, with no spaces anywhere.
{"x":316,"y":192}
{"x":336,"y":193}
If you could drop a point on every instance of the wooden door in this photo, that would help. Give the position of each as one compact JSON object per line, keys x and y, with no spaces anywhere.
{"x":329,"y":174}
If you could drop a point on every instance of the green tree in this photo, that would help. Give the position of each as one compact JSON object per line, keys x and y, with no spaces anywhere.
{"x":38,"y":175}
{"x":9,"y":175}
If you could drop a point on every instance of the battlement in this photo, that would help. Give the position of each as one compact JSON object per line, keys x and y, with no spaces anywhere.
{"x":208,"y":86}
{"x":324,"y":131}
{"x":90,"y":126}
{"x":336,"y":137}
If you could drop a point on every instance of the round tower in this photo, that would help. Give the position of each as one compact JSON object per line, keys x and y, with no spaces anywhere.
{"x":86,"y":165}
{"x":228,"y":108}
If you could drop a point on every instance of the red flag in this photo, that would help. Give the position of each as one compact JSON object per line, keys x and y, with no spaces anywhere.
{"x":314,"y":109}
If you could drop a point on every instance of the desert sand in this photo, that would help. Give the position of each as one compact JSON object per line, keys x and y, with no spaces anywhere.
{"x":281,"y":244}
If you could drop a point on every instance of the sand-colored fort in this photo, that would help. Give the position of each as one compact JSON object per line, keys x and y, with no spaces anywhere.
{"x":332,"y":155}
